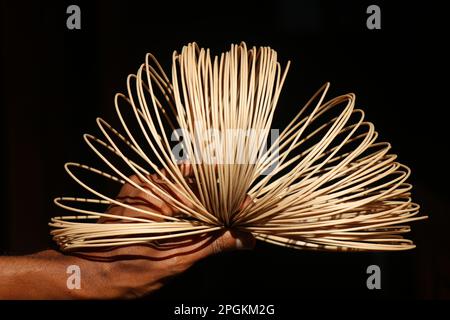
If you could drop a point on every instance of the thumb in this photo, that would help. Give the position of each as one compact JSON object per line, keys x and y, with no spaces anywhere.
{"x":227,"y":241}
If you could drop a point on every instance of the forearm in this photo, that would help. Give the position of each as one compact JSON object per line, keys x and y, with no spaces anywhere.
{"x":43,"y":275}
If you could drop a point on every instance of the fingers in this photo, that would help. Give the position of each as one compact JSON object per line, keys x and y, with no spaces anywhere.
{"x":129,"y":194}
{"x":227,"y":241}
{"x":166,"y":198}
{"x":162,"y":198}
{"x":247,"y":201}
{"x":154,"y":200}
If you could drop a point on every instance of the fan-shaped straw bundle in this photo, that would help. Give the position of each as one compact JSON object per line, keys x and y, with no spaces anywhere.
{"x":323,"y":183}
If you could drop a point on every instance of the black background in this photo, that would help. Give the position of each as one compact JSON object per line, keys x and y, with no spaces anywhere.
{"x":56,"y":81}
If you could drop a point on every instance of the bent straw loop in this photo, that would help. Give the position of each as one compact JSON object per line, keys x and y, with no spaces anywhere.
{"x":332,"y":186}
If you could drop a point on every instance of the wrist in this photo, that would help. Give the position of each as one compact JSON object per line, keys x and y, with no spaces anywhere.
{"x":76,"y":277}
{"x":96,"y":280}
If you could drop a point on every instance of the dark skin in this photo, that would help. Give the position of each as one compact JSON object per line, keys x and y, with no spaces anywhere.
{"x":116,"y":273}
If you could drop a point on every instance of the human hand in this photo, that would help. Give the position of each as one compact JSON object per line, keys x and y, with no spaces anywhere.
{"x":136,"y":270}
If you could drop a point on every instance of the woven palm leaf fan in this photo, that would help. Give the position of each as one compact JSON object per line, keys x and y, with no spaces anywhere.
{"x":199,"y":142}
